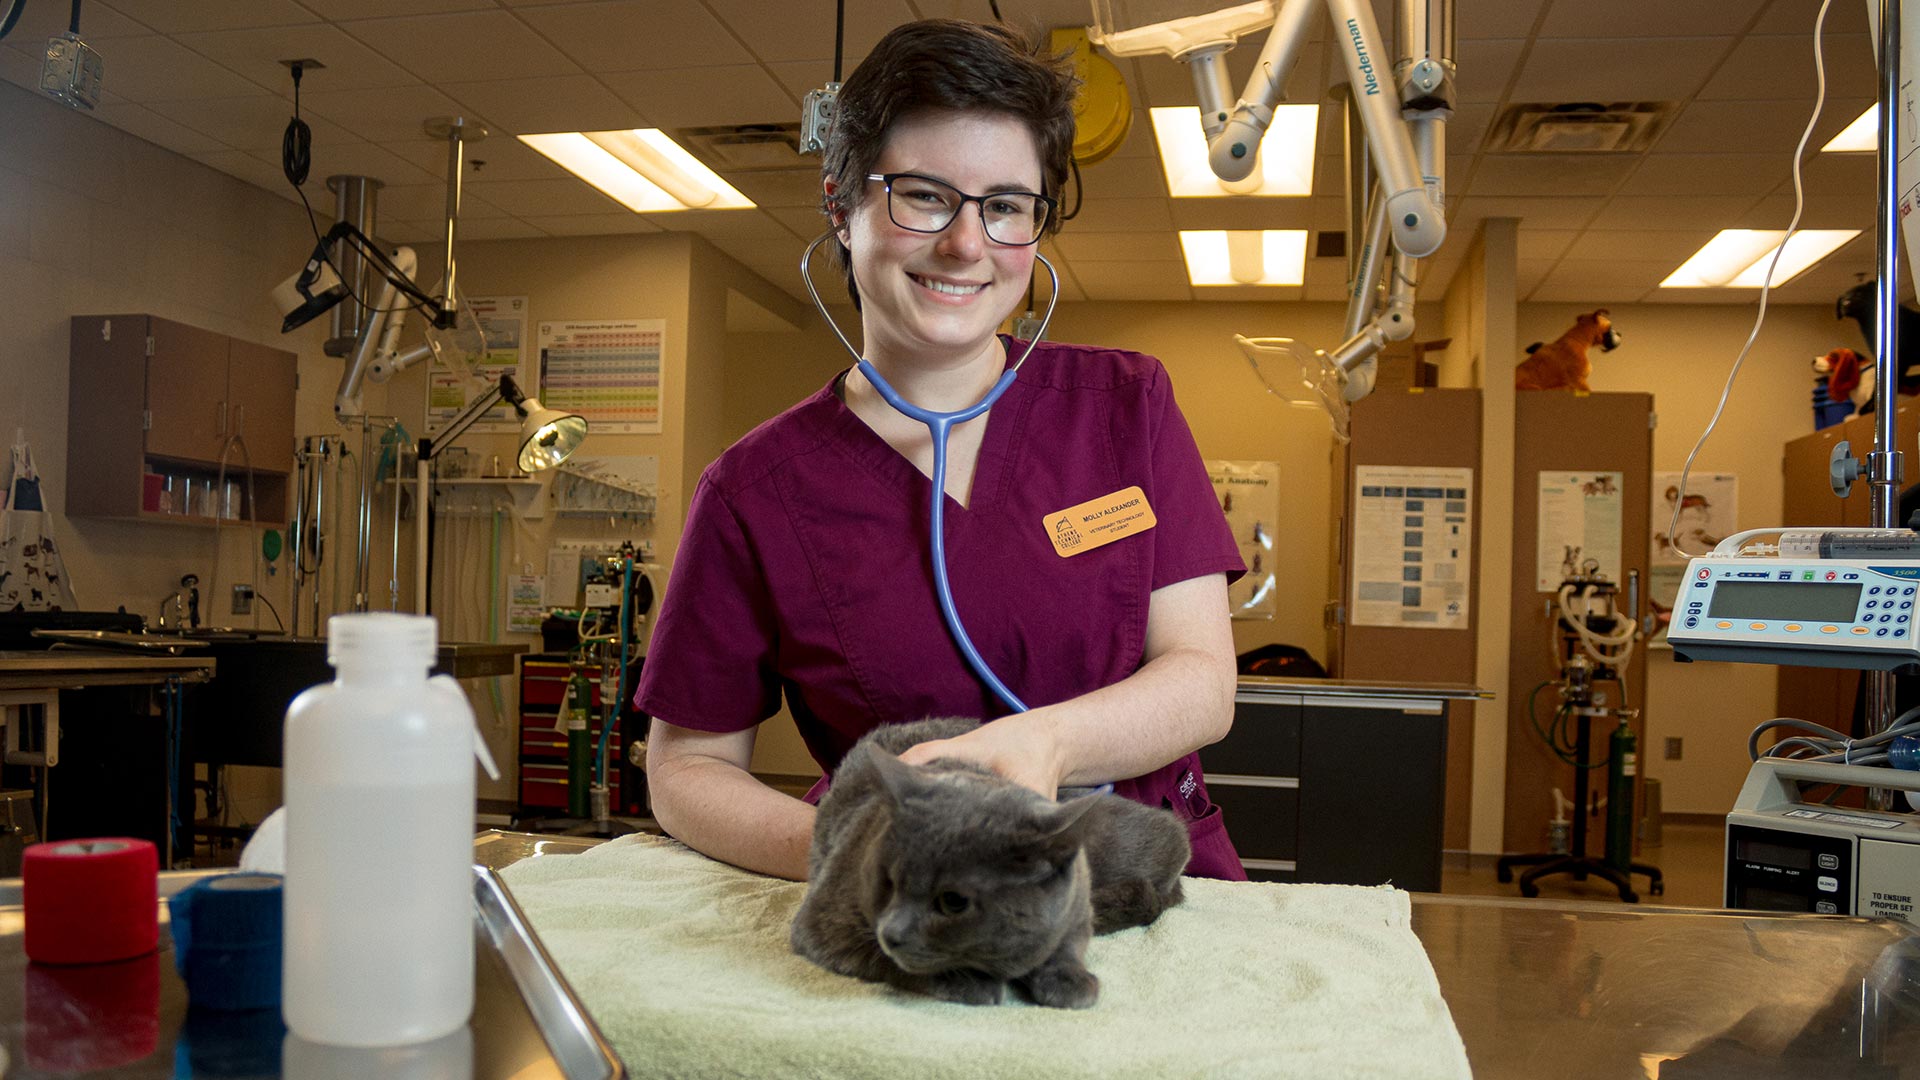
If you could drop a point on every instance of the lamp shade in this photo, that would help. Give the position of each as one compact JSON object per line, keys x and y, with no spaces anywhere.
{"x":547,"y":436}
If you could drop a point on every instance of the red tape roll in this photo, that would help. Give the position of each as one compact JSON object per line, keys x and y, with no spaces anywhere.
{"x":91,"y":901}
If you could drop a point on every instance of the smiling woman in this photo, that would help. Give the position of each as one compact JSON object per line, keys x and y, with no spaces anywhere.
{"x":803,"y":569}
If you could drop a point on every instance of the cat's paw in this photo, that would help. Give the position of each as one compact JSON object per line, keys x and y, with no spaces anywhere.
{"x":1062,"y":986}
{"x":966,"y":988}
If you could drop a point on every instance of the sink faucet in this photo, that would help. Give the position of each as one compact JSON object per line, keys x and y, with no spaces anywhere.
{"x":183,"y":604}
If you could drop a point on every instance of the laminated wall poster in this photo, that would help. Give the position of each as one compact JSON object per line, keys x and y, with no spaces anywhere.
{"x":1579,"y":519}
{"x":606,"y":370}
{"x":503,"y":321}
{"x":1412,"y":547}
{"x":1249,"y":494}
{"x":1708,"y":514}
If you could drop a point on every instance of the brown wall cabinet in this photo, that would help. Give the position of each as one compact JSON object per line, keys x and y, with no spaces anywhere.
{"x":148,"y":395}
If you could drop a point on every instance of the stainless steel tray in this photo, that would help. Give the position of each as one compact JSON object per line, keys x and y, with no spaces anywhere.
{"x":132,"y":1019}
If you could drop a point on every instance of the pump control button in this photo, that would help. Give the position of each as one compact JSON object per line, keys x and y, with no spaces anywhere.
{"x":1875,"y":591}
{"x":1861,"y":630}
{"x":1828,"y":862}
{"x":1873,"y":603}
{"x":1792,"y":628}
{"x":1827,"y":884}
{"x":1724,"y":624}
{"x":1826,"y":907}
{"x":1829,"y":629}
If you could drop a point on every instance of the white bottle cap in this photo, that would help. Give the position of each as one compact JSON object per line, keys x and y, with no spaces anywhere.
{"x":388,"y":639}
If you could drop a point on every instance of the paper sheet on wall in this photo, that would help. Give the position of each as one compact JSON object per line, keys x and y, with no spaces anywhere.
{"x":1412,"y":552}
{"x":1249,"y":494}
{"x":607,"y":370}
{"x":525,"y":606}
{"x":1708,"y":514}
{"x":1579,"y":520}
{"x":503,"y":319}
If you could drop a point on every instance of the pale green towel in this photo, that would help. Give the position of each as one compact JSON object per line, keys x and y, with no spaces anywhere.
{"x":684,"y":962}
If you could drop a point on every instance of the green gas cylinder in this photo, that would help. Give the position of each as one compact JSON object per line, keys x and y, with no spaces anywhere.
{"x":1622,"y":766}
{"x":579,"y":745}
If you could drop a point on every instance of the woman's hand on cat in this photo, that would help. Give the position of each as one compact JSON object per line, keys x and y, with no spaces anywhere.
{"x":1018,"y":747}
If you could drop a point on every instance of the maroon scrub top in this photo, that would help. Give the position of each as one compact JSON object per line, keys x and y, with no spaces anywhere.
{"x":804,"y":569}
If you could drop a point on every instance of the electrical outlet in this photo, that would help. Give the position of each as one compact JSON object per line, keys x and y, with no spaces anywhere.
{"x":243,"y":600}
{"x":1673,"y":748}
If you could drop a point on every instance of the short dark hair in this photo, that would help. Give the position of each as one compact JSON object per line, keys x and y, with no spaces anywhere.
{"x":946,"y":64}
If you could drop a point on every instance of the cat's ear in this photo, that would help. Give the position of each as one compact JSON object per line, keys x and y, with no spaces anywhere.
{"x":896,"y":776}
{"x":1058,"y":838}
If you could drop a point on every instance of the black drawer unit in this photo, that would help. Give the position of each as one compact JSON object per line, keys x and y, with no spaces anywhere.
{"x":1335,"y":783}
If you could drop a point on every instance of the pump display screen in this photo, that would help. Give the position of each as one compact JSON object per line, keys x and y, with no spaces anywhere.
{"x":1776,"y":600}
{"x":1783,"y":855}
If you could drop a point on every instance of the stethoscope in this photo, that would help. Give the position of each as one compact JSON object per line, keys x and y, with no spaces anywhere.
{"x":939,"y":424}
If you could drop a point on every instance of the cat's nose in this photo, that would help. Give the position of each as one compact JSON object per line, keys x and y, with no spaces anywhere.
{"x":892,"y":938}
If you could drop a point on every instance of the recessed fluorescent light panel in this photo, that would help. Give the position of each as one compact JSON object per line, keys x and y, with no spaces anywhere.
{"x":642,"y":169}
{"x":1860,"y":137}
{"x":1286,"y":154}
{"x":1738,"y":258}
{"x":1267,"y":257}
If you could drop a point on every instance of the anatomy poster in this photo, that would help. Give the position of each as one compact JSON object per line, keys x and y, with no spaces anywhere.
{"x":503,"y":327}
{"x":607,"y":370}
{"x":1709,"y":510}
{"x":1412,"y":552}
{"x":1249,"y":494}
{"x":1579,"y":520}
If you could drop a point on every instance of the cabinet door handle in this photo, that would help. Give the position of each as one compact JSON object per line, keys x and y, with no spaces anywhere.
{"x":223,"y":419}
{"x":240,"y":419}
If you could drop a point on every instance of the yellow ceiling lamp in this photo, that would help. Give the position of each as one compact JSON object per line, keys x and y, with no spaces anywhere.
{"x":1102,"y":110}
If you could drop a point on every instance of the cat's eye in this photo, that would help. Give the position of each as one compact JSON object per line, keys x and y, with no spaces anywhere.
{"x":950,"y":903}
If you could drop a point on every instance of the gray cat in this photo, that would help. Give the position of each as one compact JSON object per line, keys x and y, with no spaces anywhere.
{"x":950,"y":881}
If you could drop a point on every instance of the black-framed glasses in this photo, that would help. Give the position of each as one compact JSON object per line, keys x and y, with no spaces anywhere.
{"x":923,"y":204}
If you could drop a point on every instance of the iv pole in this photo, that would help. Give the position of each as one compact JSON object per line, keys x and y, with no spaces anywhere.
{"x":1886,"y":465}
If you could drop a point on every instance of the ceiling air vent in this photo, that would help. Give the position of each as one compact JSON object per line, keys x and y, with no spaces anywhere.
{"x":1580,"y":127}
{"x":748,"y":147}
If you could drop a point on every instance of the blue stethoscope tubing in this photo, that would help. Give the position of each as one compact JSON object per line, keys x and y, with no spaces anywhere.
{"x":939,"y":424}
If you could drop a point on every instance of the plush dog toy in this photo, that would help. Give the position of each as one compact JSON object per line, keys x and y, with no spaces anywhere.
{"x":1849,"y":377}
{"x":1562,"y":363}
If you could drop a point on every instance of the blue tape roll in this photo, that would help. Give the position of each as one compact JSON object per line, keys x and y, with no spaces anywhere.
{"x":226,"y":941}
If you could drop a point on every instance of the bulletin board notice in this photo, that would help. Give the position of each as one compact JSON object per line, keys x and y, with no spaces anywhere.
{"x":1580,"y":519}
{"x":1412,"y":552}
{"x":606,"y":370}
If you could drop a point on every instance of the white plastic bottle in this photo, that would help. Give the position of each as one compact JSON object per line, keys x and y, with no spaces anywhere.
{"x":379,"y":791}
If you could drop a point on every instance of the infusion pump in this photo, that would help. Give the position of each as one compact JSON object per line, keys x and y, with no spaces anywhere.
{"x":1786,"y":854}
{"x":1818,"y":612}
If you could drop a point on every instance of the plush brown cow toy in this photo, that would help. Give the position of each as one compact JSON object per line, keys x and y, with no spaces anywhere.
{"x":1562,"y":364}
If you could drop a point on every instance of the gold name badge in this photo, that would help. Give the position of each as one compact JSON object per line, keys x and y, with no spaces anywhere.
{"x":1098,"y":522}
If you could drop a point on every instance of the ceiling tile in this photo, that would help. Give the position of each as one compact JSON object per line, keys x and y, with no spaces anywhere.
{"x":1617,"y":69}
{"x":1545,"y":243}
{"x":1834,"y":174}
{"x":499,"y":157}
{"x":187,"y":16}
{"x":799,"y":76}
{"x":780,"y":187}
{"x":1253,"y":293}
{"x":260,"y":174}
{"x":775,"y":31}
{"x":1122,"y":178}
{"x":1529,"y":273}
{"x":452,"y":47}
{"x":1236,"y":213}
{"x":552,"y":103}
{"x":1781,"y":66}
{"x":744,"y":224}
{"x":1123,"y":215}
{"x":542,"y":198}
{"x":426,"y":202}
{"x":1485,"y":68}
{"x":1119,"y":247}
{"x":256,"y":54}
{"x":367,"y":9}
{"x":802,"y":221}
{"x":1133,"y":280}
{"x":148,"y":69}
{"x":504,"y":228}
{"x":1820,"y":212}
{"x":1537,"y":212}
{"x":1468,"y":128}
{"x":18,"y":68}
{"x":352,"y":159}
{"x":250,"y":123}
{"x":594,"y":224}
{"x":1670,"y":211}
{"x":1509,"y":19}
{"x":1638,"y":245}
{"x":708,"y":96}
{"x":387,"y":114}
{"x":1562,"y":174}
{"x":1706,"y":174}
{"x":1647,"y":18}
{"x":1754,"y":127}
{"x":159,"y":130}
{"x":1796,"y":17}
{"x":601,"y":37}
